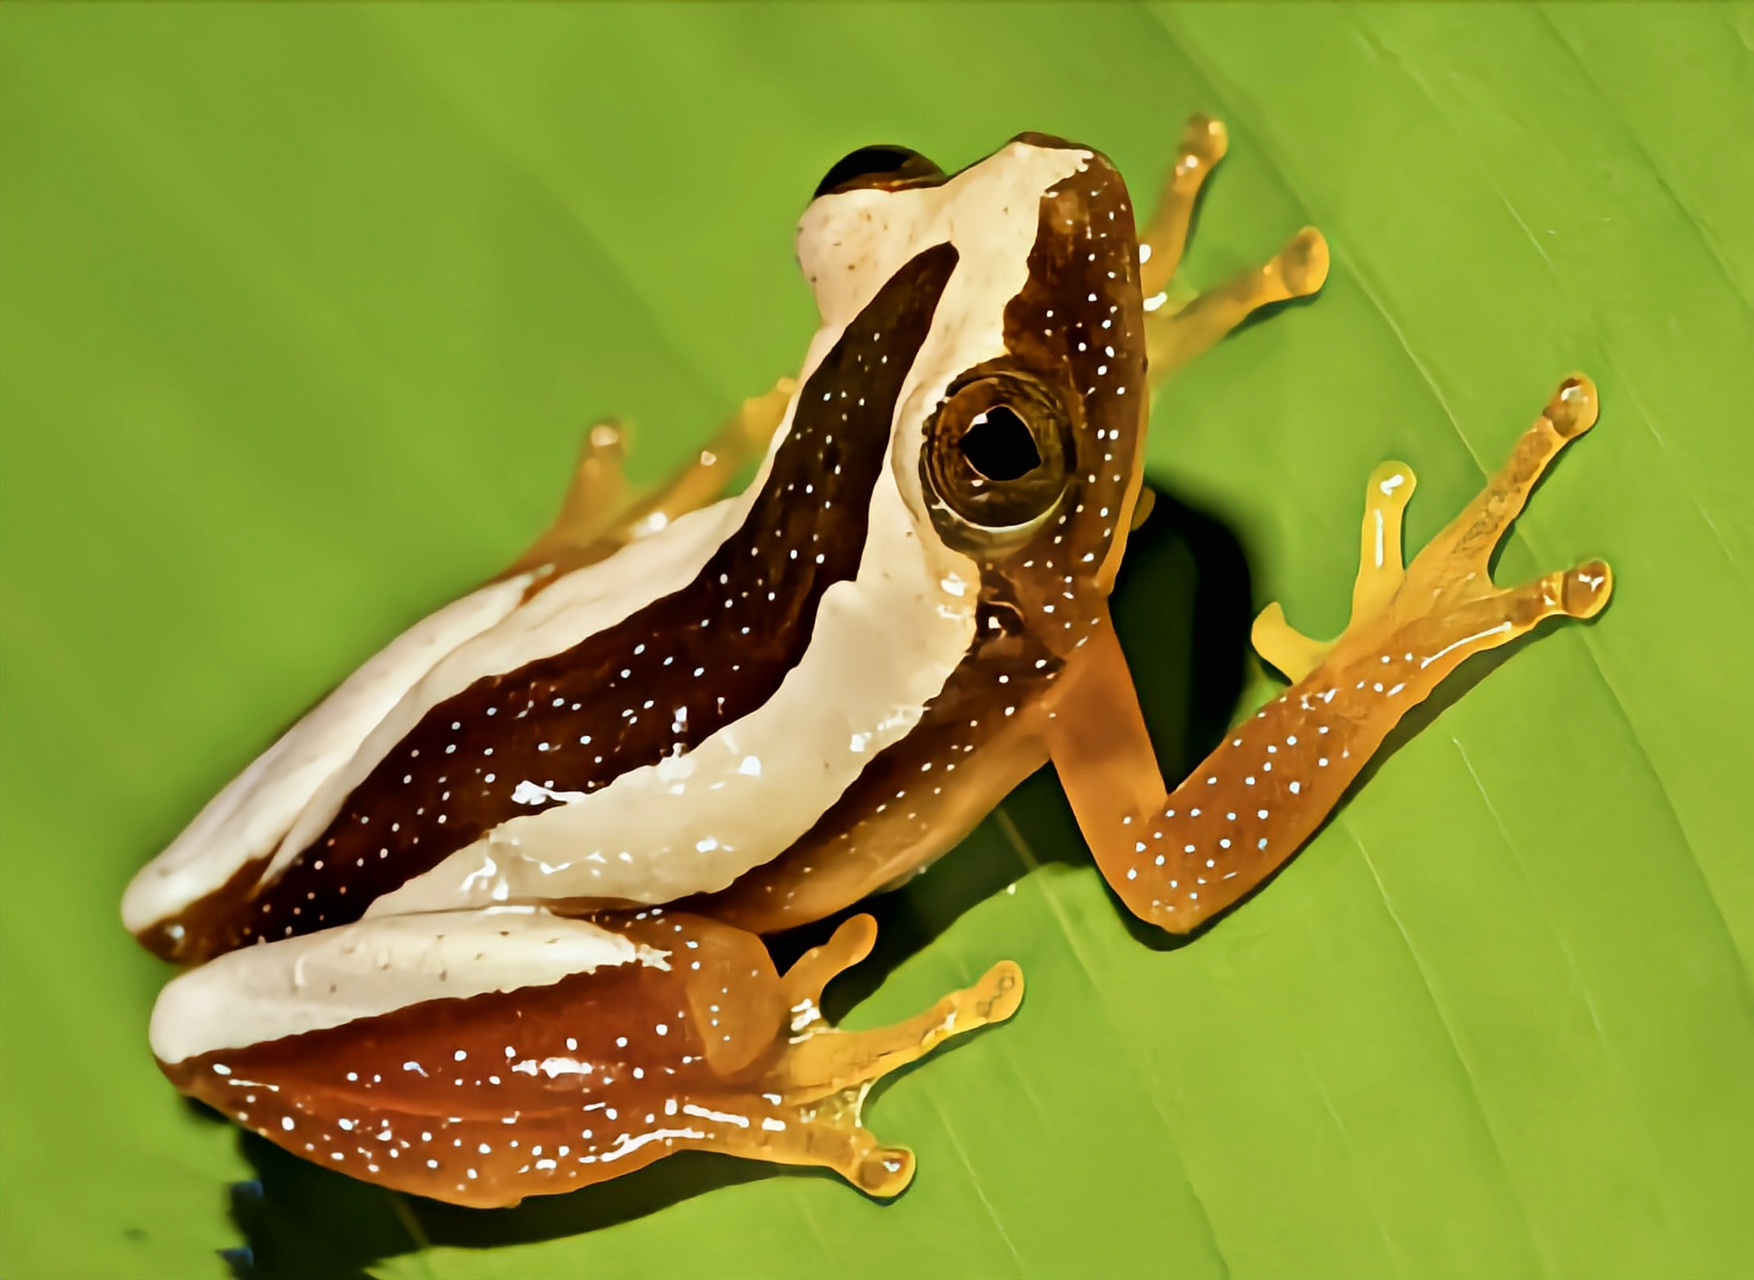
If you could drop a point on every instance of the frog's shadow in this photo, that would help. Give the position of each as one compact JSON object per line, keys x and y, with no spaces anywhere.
{"x":1182,"y":607}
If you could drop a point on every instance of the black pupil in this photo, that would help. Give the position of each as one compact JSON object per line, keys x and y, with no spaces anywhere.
{"x":999,"y":445}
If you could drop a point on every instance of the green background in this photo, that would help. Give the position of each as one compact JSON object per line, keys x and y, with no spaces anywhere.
{"x":304,"y":311}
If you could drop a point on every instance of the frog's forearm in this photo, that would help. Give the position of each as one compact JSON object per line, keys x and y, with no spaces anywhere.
{"x":1180,"y":858}
{"x":1177,"y":859}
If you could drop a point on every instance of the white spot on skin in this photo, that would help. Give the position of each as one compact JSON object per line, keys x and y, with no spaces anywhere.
{"x":724,"y":1117}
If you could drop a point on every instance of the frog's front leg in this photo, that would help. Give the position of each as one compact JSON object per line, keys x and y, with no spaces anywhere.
{"x":599,"y":515}
{"x":1175,"y":334}
{"x":479,"y":1057}
{"x":1180,"y":858}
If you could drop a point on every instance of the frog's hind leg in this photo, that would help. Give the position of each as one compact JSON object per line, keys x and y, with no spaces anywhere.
{"x":600,"y":513}
{"x":826,"y":1074}
{"x":517,"y":1053}
{"x":1180,"y":858}
{"x":1179,"y":327}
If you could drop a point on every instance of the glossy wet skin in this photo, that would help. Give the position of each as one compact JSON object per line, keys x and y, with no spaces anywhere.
{"x":544,"y":1089}
{"x":1023,"y":559}
{"x":486,"y":923}
{"x":1012,"y":560}
{"x":653,"y":686}
{"x":1074,"y":340}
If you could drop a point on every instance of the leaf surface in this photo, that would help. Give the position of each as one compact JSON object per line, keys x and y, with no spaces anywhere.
{"x":302,"y":311}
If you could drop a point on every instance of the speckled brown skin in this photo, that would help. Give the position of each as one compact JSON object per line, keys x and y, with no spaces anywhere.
{"x":781,"y":1095}
{"x":540,"y":1090}
{"x":1075,"y":331}
{"x":912,"y":803}
{"x":485,"y":1099}
{"x":581,"y":718}
{"x":1054,"y":685}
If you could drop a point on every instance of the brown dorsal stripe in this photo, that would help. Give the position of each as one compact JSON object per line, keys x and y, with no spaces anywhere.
{"x":654,"y":685}
{"x":1076,"y":326}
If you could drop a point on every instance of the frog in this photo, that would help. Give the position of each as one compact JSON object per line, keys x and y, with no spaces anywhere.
{"x":492,"y":919}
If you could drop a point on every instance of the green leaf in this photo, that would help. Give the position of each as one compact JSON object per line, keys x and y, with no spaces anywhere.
{"x":302,"y":311}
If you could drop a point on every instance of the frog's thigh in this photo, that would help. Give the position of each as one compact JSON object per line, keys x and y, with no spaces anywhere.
{"x":485,"y":1056}
{"x":599,"y":515}
{"x":1179,"y":858}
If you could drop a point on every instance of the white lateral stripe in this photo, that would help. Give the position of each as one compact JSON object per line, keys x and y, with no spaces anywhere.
{"x":993,"y":226}
{"x":363,"y":970}
{"x":850,"y":244}
{"x":248,"y":818}
{"x":288,"y":796}
{"x":564,"y":614}
{"x":883,"y":645}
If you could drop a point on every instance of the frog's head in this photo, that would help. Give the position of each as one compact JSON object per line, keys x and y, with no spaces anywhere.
{"x":1017,"y":440}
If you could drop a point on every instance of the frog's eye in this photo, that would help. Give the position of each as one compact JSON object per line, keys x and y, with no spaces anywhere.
{"x":998,"y":453}
{"x":883,"y":167}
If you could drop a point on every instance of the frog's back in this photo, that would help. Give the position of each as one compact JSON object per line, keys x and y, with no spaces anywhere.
{"x":655,"y":725}
{"x":484,"y":750}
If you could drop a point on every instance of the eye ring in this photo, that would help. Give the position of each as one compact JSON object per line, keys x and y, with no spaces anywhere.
{"x":998,"y":458}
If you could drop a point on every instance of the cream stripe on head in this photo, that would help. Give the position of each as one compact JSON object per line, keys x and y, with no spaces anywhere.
{"x":883,"y":644}
{"x":880,"y":648}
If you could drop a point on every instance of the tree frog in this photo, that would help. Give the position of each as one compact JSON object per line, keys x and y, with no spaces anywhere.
{"x":487,"y":922}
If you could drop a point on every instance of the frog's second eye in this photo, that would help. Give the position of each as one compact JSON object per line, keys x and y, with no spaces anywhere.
{"x":886,"y":168}
{"x":998,"y":455}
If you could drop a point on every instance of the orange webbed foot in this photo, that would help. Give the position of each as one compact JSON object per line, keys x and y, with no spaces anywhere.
{"x":824,"y":1074}
{"x":1179,"y":859}
{"x":1420,"y":622}
{"x":1181,"y":325}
